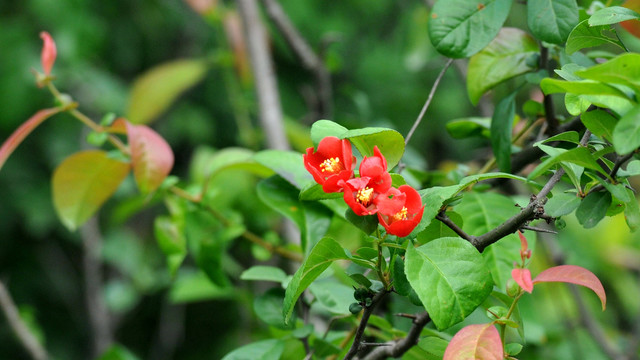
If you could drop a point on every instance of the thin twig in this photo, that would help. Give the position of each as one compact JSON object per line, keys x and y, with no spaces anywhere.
{"x":442,"y":216}
{"x":270,"y":110}
{"x":621,"y":160}
{"x":28,"y":341}
{"x":403,"y":345}
{"x":428,"y":102}
{"x":526,"y":227}
{"x":305,"y":53}
{"x":357,"y":339}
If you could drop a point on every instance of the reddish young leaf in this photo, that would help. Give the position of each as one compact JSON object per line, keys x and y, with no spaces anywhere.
{"x":151,"y":156}
{"x":575,"y":275}
{"x":83,"y":182}
{"x":49,"y":52}
{"x":523,"y":278}
{"x":475,"y":342}
{"x":25,"y":129}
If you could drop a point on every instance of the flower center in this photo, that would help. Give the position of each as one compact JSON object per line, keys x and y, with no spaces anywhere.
{"x":364,"y":196}
{"x":401,"y":215}
{"x":331,"y":165}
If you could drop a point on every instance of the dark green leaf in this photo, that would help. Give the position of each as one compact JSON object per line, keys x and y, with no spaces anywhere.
{"x":461,"y":28}
{"x":552,"y":21}
{"x":593,"y":208}
{"x":400,"y":282}
{"x":467,"y":127}
{"x":170,"y":237}
{"x":626,"y":134}
{"x":207,"y":240}
{"x":568,"y":136}
{"x":504,"y":58}
{"x":584,"y":36}
{"x":450,"y":278}
{"x":118,"y":352}
{"x":270,"y":349}
{"x":268,"y":307}
{"x":390,"y":143}
{"x":501,"y":128}
{"x":600,"y":123}
{"x":368,"y":224}
{"x":321,"y":256}
{"x":196,"y":286}
{"x":333,"y":296}
{"x":612,"y":15}
{"x":323,"y":128}
{"x":314,"y":192}
{"x":562,"y":204}
{"x":282,"y":197}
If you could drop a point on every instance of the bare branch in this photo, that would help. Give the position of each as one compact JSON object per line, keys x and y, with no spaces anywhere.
{"x":403,"y":345}
{"x":442,"y":216}
{"x":368,"y":310}
{"x":29,"y":342}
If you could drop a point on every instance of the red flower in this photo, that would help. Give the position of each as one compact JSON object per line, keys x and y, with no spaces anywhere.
{"x":48,"y":56}
{"x":360,"y":195}
{"x":332,"y":164}
{"x":375,"y":167}
{"x":400,"y":210}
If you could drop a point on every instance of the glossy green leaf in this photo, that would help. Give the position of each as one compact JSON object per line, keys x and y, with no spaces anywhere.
{"x":626,"y":134}
{"x":504,"y":58}
{"x":600,"y":123}
{"x":323,"y":128}
{"x":580,"y":156}
{"x":314,"y":192}
{"x":576,"y":104}
{"x":390,"y":143}
{"x":552,"y":20}
{"x":483,"y":212}
{"x":368,"y":224}
{"x":584,"y":36}
{"x":170,"y":237}
{"x":264,"y":273}
{"x":612,"y":15}
{"x":287,"y":164}
{"x":83,"y":182}
{"x":154,"y":91}
{"x":593,"y":208}
{"x":562,"y":204}
{"x":623,"y":69}
{"x":270,"y":349}
{"x":321,"y":256}
{"x":450,"y":278}
{"x":461,"y":28}
{"x":467,"y":127}
{"x":268,"y":307}
{"x":567,"y":136}
{"x":584,"y":87}
{"x":501,"y":128}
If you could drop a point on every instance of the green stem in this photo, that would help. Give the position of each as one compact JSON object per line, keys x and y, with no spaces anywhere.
{"x":379,"y":263}
{"x":512,"y":308}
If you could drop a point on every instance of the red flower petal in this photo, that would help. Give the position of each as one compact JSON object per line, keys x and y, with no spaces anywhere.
{"x":49,"y":53}
{"x":331,"y":164}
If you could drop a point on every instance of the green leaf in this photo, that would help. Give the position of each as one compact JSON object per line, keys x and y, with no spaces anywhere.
{"x":584,"y":36}
{"x":154,"y":91}
{"x":207,"y":163}
{"x":623,"y":69}
{"x":450,"y":278}
{"x":567,"y":136}
{"x":501,"y":128}
{"x":467,"y":127}
{"x":287,"y":164}
{"x":270,"y":349}
{"x":562,"y":204}
{"x":368,"y":223}
{"x":593,"y":208}
{"x":171,"y":240}
{"x":118,"y":352}
{"x":552,"y":20}
{"x":626,"y":134}
{"x":268,"y":307}
{"x":461,"y":28}
{"x":632,"y":212}
{"x":600,"y":123}
{"x":264,"y":273}
{"x":196,"y":286}
{"x":580,"y":156}
{"x":321,"y":256}
{"x":332,"y":295}
{"x":483,"y":212}
{"x":438,"y":229}
{"x":282,"y":197}
{"x":314,"y":191}
{"x":323,"y":128}
{"x":83,"y":182}
{"x":504,"y":58}
{"x":612,"y":15}
{"x":400,"y":283}
{"x":575,"y":104}
{"x":390,"y":143}
{"x":584,"y":87}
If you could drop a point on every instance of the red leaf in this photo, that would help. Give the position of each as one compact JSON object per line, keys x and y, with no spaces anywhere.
{"x":49,"y":52}
{"x":575,"y":275}
{"x":475,"y":342}
{"x":523,"y":278}
{"x":151,"y":156}
{"x":25,"y":129}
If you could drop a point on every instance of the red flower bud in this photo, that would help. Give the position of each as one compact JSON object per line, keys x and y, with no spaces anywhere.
{"x":49,"y":53}
{"x":375,"y":167}
{"x":400,"y":210}
{"x":332,"y":164}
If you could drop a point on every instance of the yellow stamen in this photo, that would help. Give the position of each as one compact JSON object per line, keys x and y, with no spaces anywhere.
{"x":331,"y":165}
{"x":401,"y":215}
{"x":364,"y":196}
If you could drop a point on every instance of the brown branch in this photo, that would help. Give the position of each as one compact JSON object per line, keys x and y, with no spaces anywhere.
{"x":550,"y":113}
{"x":26,"y":338}
{"x":403,"y":345}
{"x":99,"y":318}
{"x":270,"y":110}
{"x":442,"y":216}
{"x":357,"y":339}
{"x":305,"y":54}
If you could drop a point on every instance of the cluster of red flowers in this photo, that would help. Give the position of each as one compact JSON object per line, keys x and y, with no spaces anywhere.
{"x":399,"y":209}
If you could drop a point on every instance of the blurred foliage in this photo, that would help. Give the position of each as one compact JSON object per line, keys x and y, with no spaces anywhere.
{"x":382,"y":68}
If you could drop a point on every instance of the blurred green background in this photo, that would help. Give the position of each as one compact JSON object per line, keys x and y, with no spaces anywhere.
{"x":382,"y":67}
